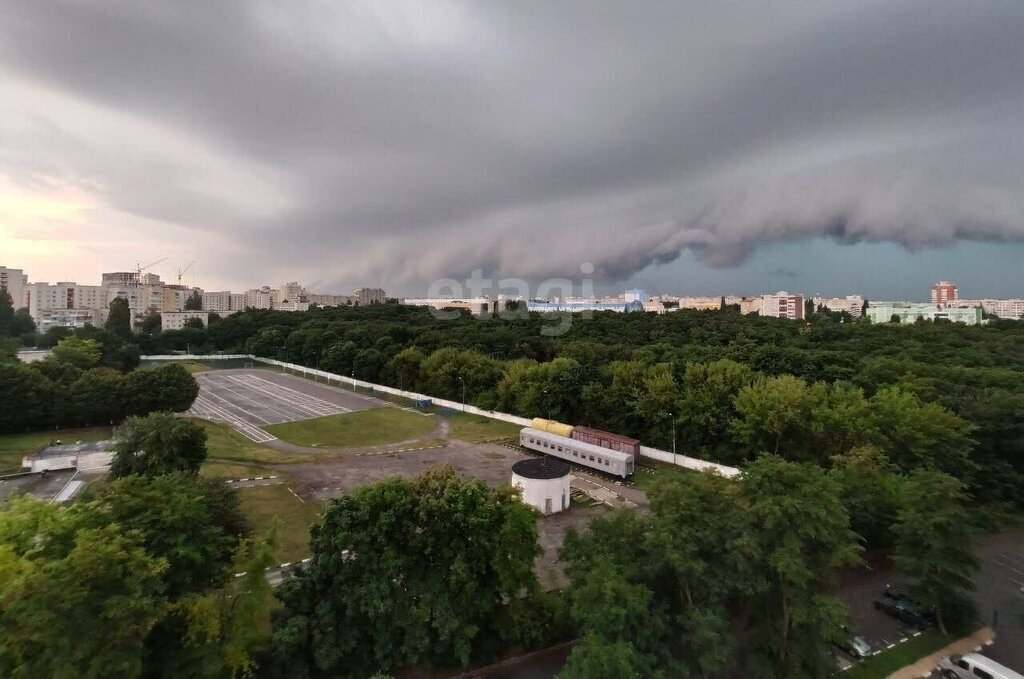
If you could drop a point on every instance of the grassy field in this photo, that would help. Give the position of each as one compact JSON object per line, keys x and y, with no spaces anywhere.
{"x":262,"y":505}
{"x":652,"y":471}
{"x":219,"y":469}
{"x":899,"y":656}
{"x":361,"y":428}
{"x":15,"y":446}
{"x":224,"y":443}
{"x":474,"y":428}
{"x":193,"y":366}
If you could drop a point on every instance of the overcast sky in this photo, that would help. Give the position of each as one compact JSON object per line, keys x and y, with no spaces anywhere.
{"x":726,"y":146}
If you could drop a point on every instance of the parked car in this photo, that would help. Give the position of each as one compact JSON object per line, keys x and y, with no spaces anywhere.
{"x":855,"y":646}
{"x":901,"y":611}
{"x":908,"y":602}
{"x":973,"y":666}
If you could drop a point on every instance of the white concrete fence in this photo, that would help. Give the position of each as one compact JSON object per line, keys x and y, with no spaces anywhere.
{"x":645,"y":451}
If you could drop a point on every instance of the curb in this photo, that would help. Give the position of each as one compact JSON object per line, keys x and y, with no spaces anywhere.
{"x":254,"y":478}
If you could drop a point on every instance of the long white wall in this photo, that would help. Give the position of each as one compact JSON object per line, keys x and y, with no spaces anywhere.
{"x":645,"y":451}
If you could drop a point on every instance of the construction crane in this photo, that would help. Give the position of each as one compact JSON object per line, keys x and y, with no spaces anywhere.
{"x":139,"y":268}
{"x":181,"y":272}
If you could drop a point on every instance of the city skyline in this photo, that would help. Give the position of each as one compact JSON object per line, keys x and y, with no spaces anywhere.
{"x":360,"y":144}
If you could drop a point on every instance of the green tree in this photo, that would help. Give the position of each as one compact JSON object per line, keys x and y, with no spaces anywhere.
{"x":195,"y":323}
{"x":800,"y":536}
{"x":159,"y":443}
{"x":97,"y":397}
{"x":914,"y":434}
{"x":934,"y":548}
{"x":167,"y":387}
{"x":119,"y":320}
{"x":57,"y":579}
{"x":151,"y":323}
{"x":6,"y":313}
{"x":194,"y":302}
{"x":405,"y":573}
{"x":706,"y":410}
{"x":772,"y":416}
{"x":869,"y":490}
{"x":193,"y":524}
{"x":80,"y":353}
{"x":8,"y":351}
{"x":405,"y":368}
{"x":28,"y":399}
{"x":22,"y":323}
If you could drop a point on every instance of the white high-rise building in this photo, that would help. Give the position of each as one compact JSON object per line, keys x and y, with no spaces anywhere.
{"x":219,"y":302}
{"x":851,"y":304}
{"x":14,"y":281}
{"x":259,"y":298}
{"x":783,"y":305}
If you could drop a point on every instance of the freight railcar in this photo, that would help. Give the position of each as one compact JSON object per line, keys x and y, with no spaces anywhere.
{"x":585,"y":454}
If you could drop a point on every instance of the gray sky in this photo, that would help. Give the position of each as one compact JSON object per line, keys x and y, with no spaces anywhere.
{"x":691,"y":146}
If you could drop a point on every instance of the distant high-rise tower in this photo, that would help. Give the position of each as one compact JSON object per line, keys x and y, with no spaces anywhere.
{"x":944,"y":293}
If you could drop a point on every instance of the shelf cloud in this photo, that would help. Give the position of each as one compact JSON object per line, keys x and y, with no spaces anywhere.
{"x":400,"y":142}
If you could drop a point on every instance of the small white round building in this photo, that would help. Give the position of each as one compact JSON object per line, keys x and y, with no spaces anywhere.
{"x":544,"y":482}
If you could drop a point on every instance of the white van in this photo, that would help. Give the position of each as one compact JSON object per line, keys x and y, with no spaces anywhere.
{"x":975,"y":666}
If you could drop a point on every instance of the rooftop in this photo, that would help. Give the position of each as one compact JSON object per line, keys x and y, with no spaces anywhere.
{"x":540,"y":468}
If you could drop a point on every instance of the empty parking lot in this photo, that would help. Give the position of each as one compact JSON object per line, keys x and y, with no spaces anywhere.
{"x":250,"y":399}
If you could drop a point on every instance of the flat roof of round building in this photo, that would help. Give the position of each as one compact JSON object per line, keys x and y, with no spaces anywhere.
{"x":540,"y":468}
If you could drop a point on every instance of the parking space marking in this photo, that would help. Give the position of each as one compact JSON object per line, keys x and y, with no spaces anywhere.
{"x":208,"y":410}
{"x":289,"y":398}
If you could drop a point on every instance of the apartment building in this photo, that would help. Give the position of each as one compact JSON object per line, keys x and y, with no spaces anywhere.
{"x":910,"y":312}
{"x":220,"y":302}
{"x":369,"y":296}
{"x":1012,"y":309}
{"x":175,"y":320}
{"x":259,"y":298}
{"x":14,"y":281}
{"x":783,"y":305}
{"x":851,"y":304}
{"x":944,"y":293}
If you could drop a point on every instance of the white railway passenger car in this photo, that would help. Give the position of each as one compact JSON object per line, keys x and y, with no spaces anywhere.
{"x":585,"y":454}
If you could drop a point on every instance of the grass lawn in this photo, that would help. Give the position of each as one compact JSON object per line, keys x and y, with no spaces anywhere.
{"x":219,"y":469}
{"x":361,"y":428}
{"x":194,"y":366}
{"x":224,"y":443}
{"x":13,"y":447}
{"x":475,"y":428}
{"x":899,"y":656}
{"x":262,"y":505}
{"x":652,"y":472}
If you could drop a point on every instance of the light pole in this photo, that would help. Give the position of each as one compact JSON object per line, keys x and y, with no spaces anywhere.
{"x":463,"y":393}
{"x":673,"y":418}
{"x":547,"y":404}
{"x":354,"y":379}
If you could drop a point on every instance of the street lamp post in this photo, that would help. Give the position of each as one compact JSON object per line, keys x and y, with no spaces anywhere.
{"x":463,"y":393}
{"x":673,"y":418}
{"x":547,"y":404}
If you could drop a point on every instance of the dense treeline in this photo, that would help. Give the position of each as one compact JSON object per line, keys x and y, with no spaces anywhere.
{"x":135,"y":578}
{"x":89,"y":379}
{"x":933,"y":395}
{"x":730,"y":578}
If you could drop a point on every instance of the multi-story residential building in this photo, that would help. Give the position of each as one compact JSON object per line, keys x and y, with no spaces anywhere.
{"x":174,"y":297}
{"x":289,"y":293}
{"x":621,"y":306}
{"x":14,"y":281}
{"x":259,"y":298}
{"x":144,"y":293}
{"x":944,"y":293}
{"x":220,"y":302}
{"x":175,"y":320}
{"x":1012,"y":309}
{"x":329,"y":300}
{"x":369,"y":296}
{"x":477,"y":306}
{"x":783,"y":305}
{"x":909,"y":312}
{"x":65,"y":304}
{"x":237,"y":301}
{"x":851,"y":304}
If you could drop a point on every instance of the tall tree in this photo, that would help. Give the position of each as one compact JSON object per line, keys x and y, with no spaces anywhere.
{"x":405,"y":573}
{"x":80,"y":353}
{"x":159,"y":443}
{"x":6,"y":312}
{"x":119,"y":320}
{"x":194,"y":302}
{"x":57,"y":579}
{"x":934,"y":548}
{"x":800,"y":536}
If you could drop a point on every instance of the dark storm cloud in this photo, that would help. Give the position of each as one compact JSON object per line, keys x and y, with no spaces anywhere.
{"x":408,"y":141}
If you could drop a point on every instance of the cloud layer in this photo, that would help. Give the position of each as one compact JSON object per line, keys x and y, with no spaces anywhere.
{"x":400,"y":142}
